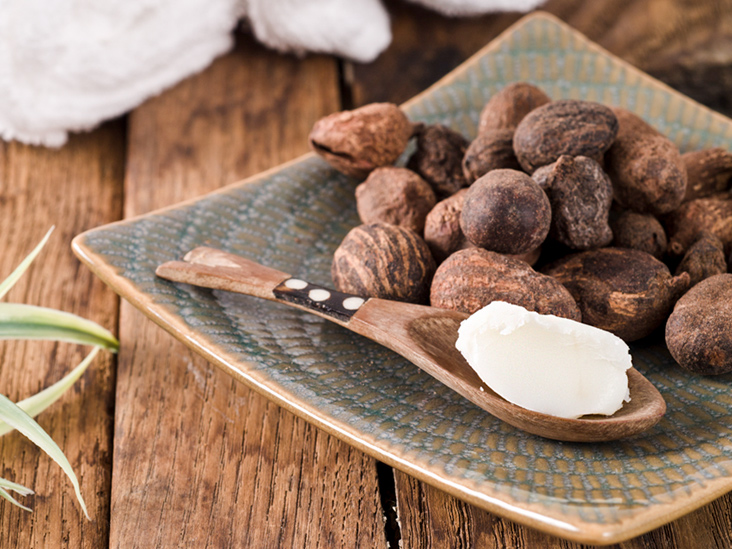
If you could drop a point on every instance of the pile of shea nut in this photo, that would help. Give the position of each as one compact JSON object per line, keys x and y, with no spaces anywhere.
{"x":569,"y":208}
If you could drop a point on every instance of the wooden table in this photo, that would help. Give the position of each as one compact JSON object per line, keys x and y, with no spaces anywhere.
{"x":170,"y":451}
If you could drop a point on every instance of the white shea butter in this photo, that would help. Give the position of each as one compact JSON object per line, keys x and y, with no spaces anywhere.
{"x":546,"y":363}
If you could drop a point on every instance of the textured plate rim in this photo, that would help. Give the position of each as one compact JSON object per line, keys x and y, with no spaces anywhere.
{"x":642,"y":521}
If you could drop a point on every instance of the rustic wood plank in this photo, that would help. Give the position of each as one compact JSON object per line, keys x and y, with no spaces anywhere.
{"x":75,"y":188}
{"x":686,"y":44}
{"x":199,"y":459}
{"x":657,"y":35}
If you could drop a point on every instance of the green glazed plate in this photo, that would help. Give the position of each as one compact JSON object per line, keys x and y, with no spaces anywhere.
{"x":293,"y":218}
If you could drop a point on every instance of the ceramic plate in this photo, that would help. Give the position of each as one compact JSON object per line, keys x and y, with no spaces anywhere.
{"x":293,"y":218}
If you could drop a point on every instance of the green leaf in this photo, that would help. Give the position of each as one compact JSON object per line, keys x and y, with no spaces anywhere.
{"x":8,"y":283}
{"x":35,"y":404}
{"x":19,"y":321}
{"x":18,"y":419}
{"x":8,"y":485}
{"x":4,"y":494}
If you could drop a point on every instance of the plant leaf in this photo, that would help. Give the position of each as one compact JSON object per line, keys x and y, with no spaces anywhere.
{"x":18,"y":419}
{"x":4,"y":494}
{"x":8,"y":485}
{"x":8,"y":283}
{"x":20,"y":321}
{"x":35,"y":404}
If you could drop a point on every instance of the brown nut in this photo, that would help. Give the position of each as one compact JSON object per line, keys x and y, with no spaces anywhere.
{"x":491,"y":150}
{"x":626,"y":292}
{"x":580,"y":194}
{"x":708,"y":172}
{"x":385,"y":261}
{"x":684,"y":226}
{"x":507,"y":212}
{"x":439,"y":159}
{"x":568,"y":127}
{"x":542,"y":177}
{"x":471,"y":279}
{"x":355,"y":142}
{"x":509,"y":106}
{"x":645,"y":167}
{"x":395,"y":195}
{"x":442,"y":230}
{"x":639,"y":232}
{"x":699,"y":330}
{"x":704,"y":258}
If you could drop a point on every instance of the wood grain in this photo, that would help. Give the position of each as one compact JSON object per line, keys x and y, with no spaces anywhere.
{"x":679,"y":41}
{"x":200,"y":460}
{"x":75,"y":188}
{"x":685,"y":43}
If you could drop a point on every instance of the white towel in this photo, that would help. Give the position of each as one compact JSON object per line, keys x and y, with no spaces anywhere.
{"x":67,"y":65}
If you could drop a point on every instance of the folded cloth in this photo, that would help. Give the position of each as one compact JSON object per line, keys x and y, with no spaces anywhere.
{"x":67,"y":65}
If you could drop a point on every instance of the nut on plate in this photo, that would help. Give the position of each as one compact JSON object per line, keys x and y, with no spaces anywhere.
{"x":580,"y":194}
{"x":506,"y":211}
{"x":638,"y":231}
{"x":395,"y":195}
{"x":439,"y":159}
{"x":442,"y":230}
{"x":645,"y":167}
{"x":626,"y":292}
{"x":386,"y":261}
{"x":491,"y":150}
{"x":358,"y":141}
{"x":470,"y":279}
{"x":699,"y":330}
{"x":704,"y":258}
{"x":570,"y":127}
{"x":708,"y":171}
{"x":505,"y":109}
{"x":713,"y":214}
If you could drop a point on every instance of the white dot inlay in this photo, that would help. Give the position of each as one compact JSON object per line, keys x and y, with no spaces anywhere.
{"x":352,"y":303}
{"x":319,"y":295}
{"x":296,"y":284}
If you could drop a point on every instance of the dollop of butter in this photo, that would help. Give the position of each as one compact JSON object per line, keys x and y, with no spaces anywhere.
{"x":546,"y":363}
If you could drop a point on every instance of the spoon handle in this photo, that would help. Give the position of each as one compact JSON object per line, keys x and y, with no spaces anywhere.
{"x":219,"y":270}
{"x":423,"y":335}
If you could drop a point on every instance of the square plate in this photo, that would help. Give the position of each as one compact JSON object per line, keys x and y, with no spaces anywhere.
{"x":292,"y":218}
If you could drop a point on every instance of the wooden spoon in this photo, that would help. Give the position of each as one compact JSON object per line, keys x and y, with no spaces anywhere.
{"x":424,"y":335}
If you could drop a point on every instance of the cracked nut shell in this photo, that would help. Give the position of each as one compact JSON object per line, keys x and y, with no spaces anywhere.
{"x":439,"y":159}
{"x":581,"y":195}
{"x":358,"y":141}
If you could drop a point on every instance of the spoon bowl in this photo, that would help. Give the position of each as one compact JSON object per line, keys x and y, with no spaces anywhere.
{"x":424,"y":335}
